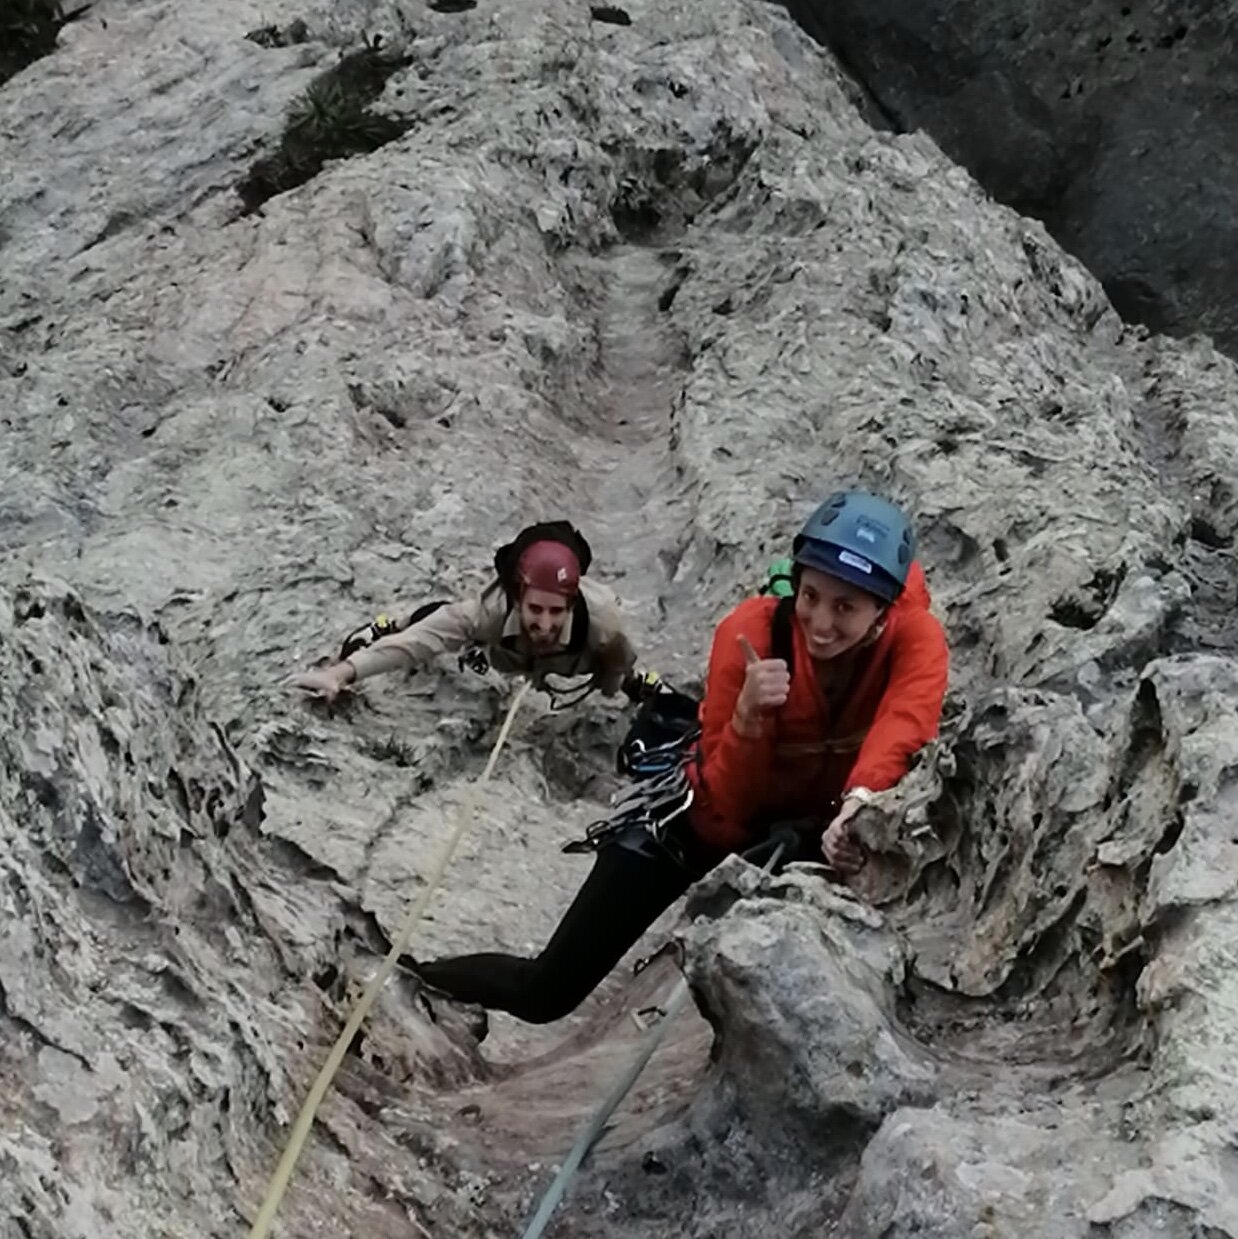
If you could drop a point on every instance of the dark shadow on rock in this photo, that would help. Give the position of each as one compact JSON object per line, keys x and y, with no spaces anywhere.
{"x":1090,"y":117}
{"x":332,"y":120}
{"x":610,"y":14}
{"x":274,"y":36}
{"x":29,"y":30}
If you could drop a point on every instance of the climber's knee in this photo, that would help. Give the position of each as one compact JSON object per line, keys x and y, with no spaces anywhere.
{"x":546,"y":997}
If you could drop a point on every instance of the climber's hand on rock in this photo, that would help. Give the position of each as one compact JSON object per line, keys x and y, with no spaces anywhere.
{"x":839,"y":846}
{"x":325,"y":682}
{"x":767,"y":684}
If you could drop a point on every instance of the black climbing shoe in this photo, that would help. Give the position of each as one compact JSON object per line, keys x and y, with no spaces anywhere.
{"x":476,"y":1020}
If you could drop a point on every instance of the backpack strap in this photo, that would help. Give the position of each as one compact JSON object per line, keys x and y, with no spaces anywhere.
{"x":580,"y":626}
{"x":782,"y":640}
{"x":383,"y":626}
{"x":781,"y":579}
{"x":422,"y":612}
{"x":473,"y":657}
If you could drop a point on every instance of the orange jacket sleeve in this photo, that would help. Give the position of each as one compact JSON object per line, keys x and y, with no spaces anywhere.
{"x":732,"y":767}
{"x":910,"y":709}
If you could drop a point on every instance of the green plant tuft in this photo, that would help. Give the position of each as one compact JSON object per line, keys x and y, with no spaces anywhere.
{"x":28,"y":31}
{"x":331,"y":120}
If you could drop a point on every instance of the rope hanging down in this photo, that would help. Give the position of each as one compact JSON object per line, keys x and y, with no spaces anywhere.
{"x":593,"y":1128}
{"x":296,"y":1142}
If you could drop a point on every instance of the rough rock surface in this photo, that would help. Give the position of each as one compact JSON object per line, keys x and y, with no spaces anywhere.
{"x":666,"y":277}
{"x":1112,"y":123}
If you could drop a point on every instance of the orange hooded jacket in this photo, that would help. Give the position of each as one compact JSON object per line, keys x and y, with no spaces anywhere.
{"x":809,"y":755}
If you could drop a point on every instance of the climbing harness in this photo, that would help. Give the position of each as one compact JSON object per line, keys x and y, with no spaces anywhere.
{"x":301,"y":1128}
{"x":655,"y":753}
{"x":597,"y":1121}
{"x":573,"y":695}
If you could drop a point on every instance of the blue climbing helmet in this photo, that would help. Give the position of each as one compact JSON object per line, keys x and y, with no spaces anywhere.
{"x":860,"y":539}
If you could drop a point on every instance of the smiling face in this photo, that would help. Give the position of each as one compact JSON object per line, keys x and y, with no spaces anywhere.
{"x":542,"y":616}
{"x":833,"y":615}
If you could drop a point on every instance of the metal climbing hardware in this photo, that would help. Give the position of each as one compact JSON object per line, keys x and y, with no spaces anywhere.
{"x":640,"y":685}
{"x":644,"y":760}
{"x":474,"y":659}
{"x":665,"y":725}
{"x":383,"y":626}
{"x":651,"y":807}
{"x":367,"y":634}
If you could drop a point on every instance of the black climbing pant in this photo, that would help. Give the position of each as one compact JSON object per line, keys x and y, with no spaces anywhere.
{"x":626,"y":891}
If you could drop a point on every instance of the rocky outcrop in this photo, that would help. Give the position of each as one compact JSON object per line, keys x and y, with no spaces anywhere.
{"x":1112,"y":123}
{"x":663,"y":277}
{"x":1074,"y":1086}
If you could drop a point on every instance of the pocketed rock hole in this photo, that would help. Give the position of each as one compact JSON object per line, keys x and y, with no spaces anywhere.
{"x":665,"y":189}
{"x":1066,"y":1006}
{"x":609,"y":14}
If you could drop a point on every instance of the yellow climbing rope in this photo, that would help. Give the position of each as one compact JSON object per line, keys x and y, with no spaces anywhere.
{"x":301,"y":1128}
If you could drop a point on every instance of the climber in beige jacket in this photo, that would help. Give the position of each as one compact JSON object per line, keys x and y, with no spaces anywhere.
{"x":539,"y":617}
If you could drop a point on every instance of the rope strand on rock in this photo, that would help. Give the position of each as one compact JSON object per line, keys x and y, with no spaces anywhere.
{"x":301,"y":1128}
{"x":597,"y":1120}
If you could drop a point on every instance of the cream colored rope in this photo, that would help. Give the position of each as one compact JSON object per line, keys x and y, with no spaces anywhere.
{"x":301,"y":1128}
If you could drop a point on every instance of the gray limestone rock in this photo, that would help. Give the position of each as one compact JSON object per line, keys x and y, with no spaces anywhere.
{"x":665,"y":278}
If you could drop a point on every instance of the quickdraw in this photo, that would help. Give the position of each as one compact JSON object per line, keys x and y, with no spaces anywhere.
{"x":662,"y":795}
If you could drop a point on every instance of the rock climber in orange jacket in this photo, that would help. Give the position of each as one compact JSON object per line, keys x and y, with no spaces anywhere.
{"x":870,"y":666}
{"x":812,"y":704}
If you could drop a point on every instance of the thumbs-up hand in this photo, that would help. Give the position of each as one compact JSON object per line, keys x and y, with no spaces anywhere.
{"x":767,"y":684}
